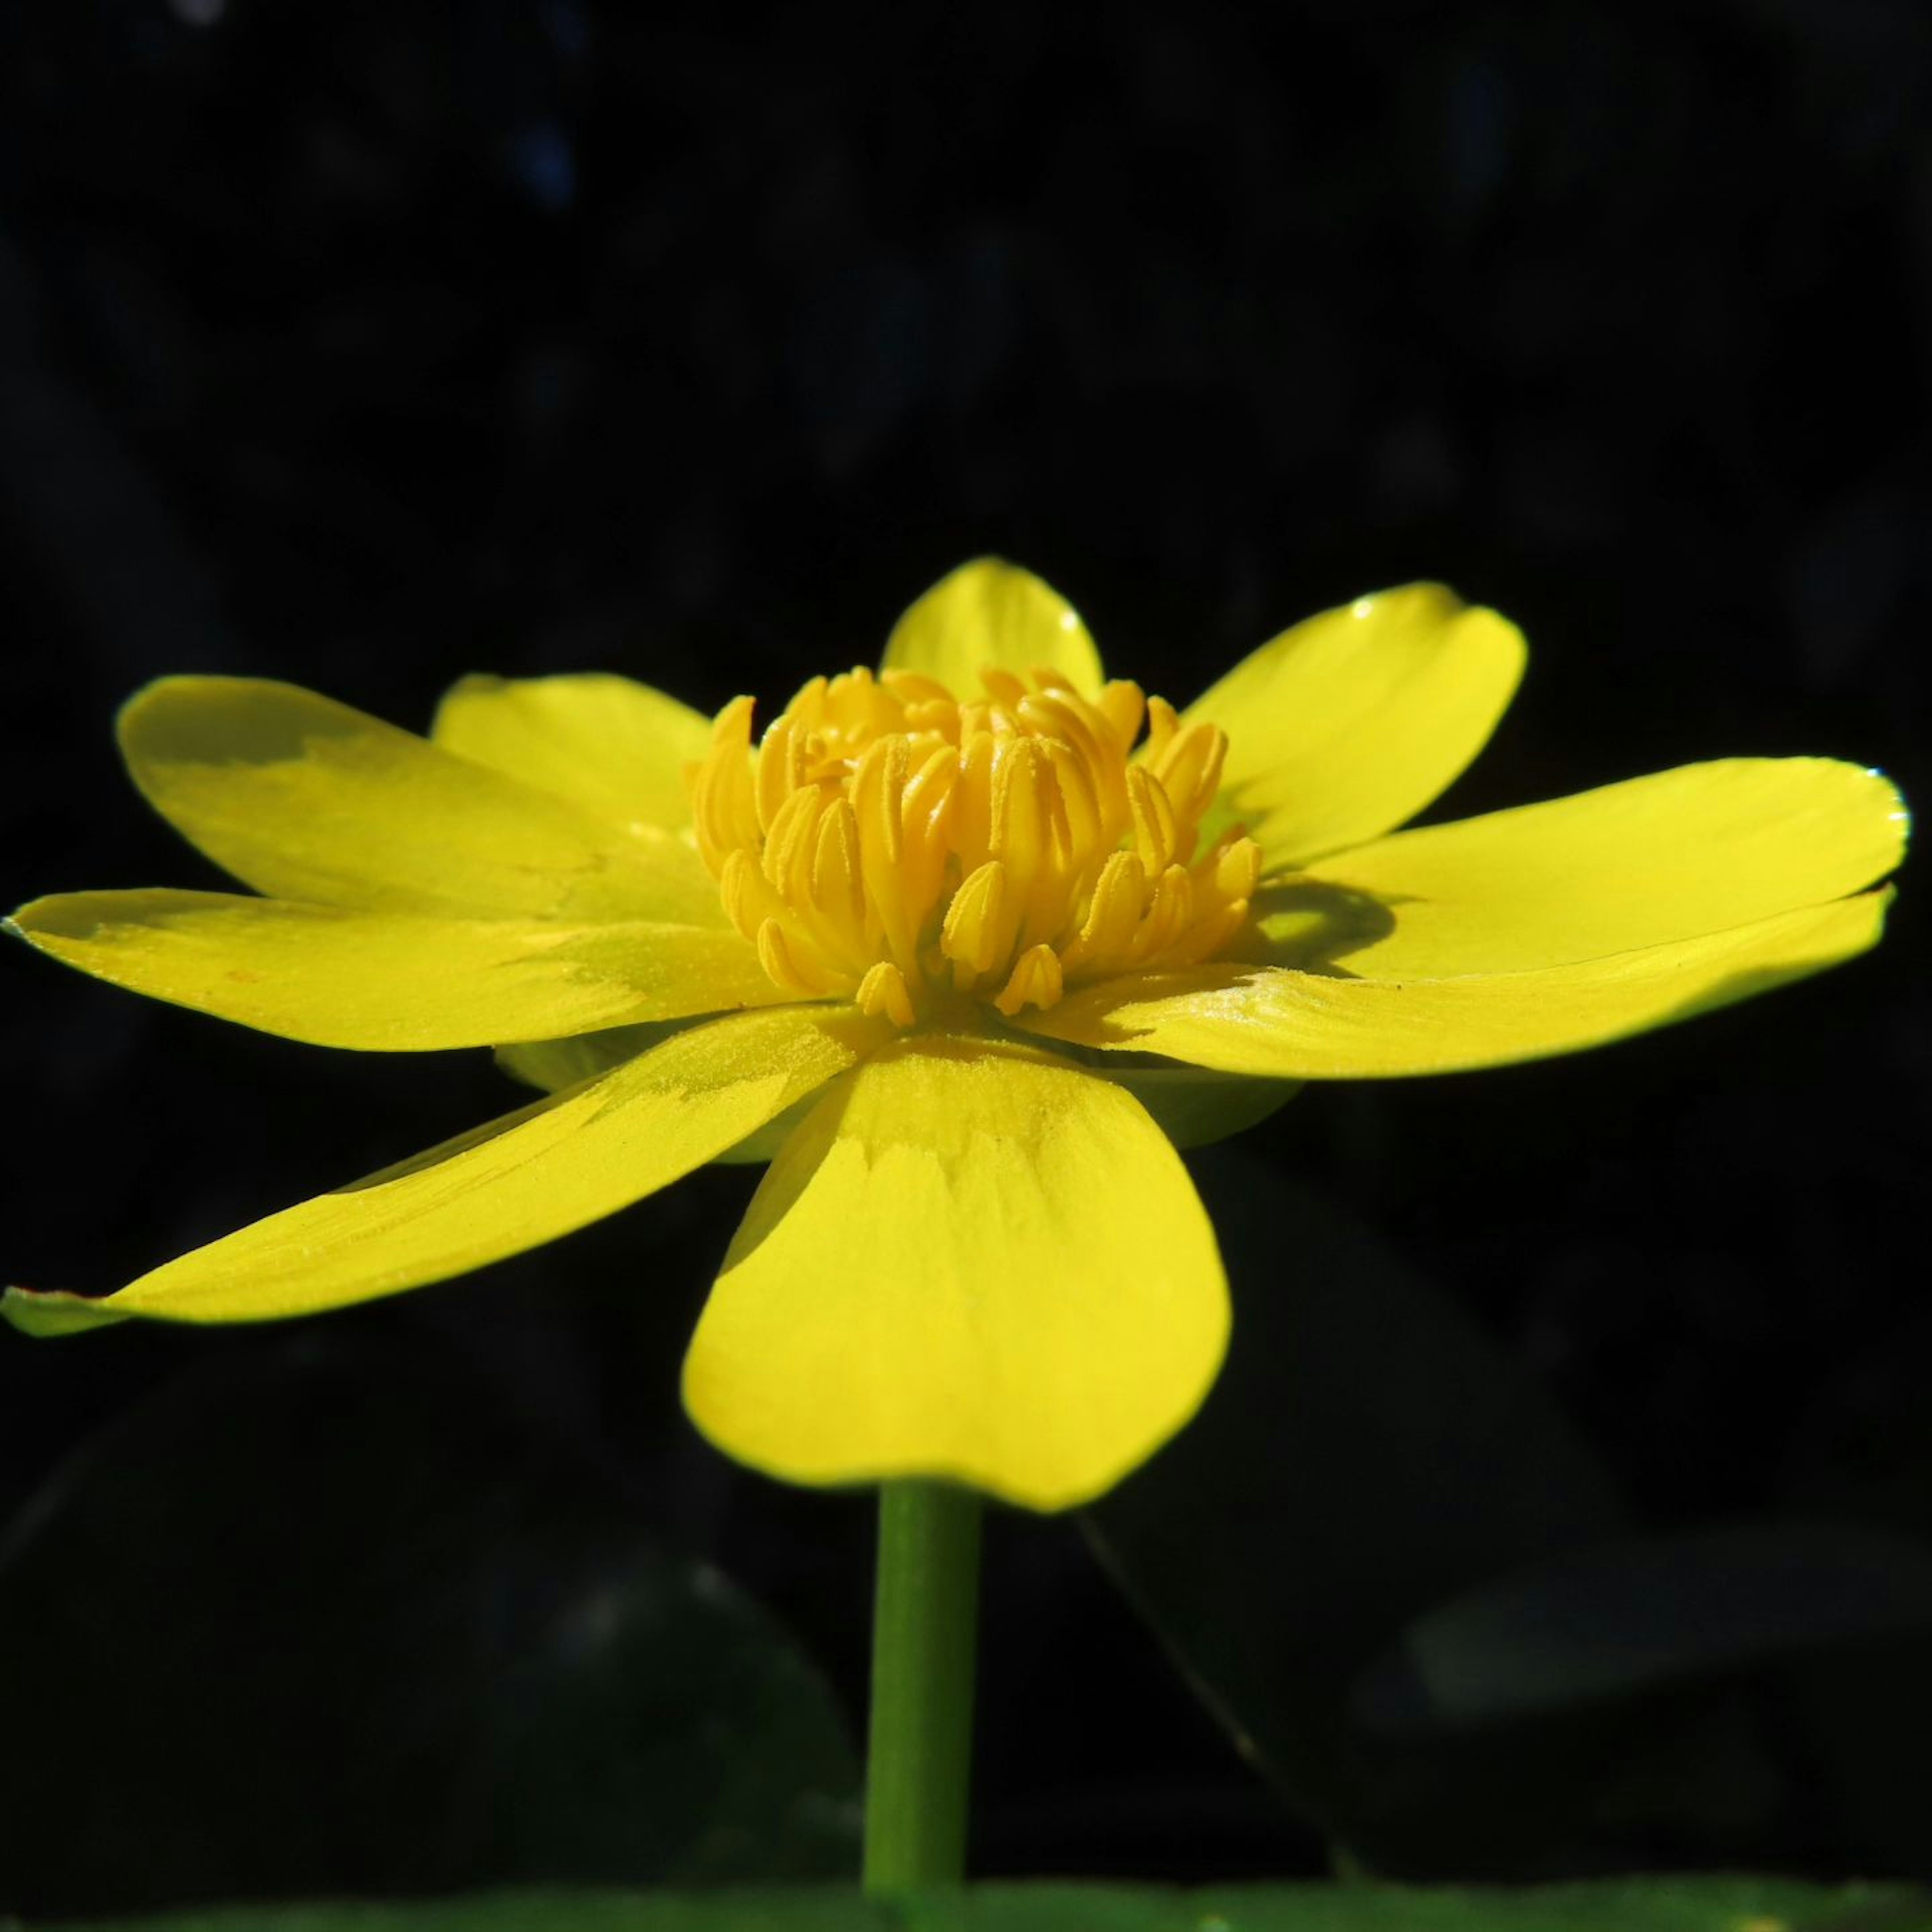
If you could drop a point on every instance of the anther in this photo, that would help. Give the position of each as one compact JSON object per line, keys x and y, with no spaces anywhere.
{"x":883,"y":991}
{"x":1035,"y":982}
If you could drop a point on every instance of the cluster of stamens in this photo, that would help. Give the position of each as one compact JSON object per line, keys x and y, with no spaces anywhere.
{"x":886,"y":841}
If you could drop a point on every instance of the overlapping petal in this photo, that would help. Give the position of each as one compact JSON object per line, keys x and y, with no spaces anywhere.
{"x":1346,"y":726}
{"x":968,"y":1262}
{"x":991,"y":615}
{"x":615,"y":747}
{"x":304,"y":799}
{"x":526,"y":1179}
{"x":1666,"y":857}
{"x":1310,"y":1026}
{"x":393,"y":982}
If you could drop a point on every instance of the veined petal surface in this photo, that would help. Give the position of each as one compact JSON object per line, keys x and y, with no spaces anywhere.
{"x":991,"y":615}
{"x":1311,"y":1026}
{"x":303,"y":798}
{"x":1654,"y":859}
{"x":609,"y":744}
{"x":526,"y":1179}
{"x":394,"y":982}
{"x":968,"y":1262}
{"x":1347,"y":725}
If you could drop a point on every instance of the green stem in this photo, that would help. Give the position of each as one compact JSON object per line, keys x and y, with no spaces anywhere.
{"x":921,"y":1747}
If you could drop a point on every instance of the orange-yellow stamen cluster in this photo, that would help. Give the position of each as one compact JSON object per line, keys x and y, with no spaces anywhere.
{"x":886,"y":841}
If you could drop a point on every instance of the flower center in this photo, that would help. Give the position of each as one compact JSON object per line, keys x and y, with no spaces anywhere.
{"x":887,"y":842}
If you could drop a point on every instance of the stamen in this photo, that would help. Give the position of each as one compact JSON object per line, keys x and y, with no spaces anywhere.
{"x":883,"y":991}
{"x":774,"y":955}
{"x":1036,"y":981}
{"x":972,"y":936}
{"x":892,"y":843}
{"x":1157,"y":831}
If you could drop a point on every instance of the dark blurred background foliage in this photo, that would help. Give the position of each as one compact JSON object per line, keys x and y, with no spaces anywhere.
{"x":1579,"y":1520}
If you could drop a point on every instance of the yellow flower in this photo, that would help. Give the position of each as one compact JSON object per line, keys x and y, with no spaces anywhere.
{"x":957,"y":954}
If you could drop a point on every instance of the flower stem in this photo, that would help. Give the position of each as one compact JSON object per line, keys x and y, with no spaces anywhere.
{"x":921,"y":1747}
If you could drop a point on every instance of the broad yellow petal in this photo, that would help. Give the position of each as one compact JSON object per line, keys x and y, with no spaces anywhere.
{"x":1309,"y":1026}
{"x":520,"y":1181}
{"x":968,"y":1262}
{"x":615,"y":747}
{"x":1346,"y":726}
{"x":992,"y":614}
{"x":1694,"y":851}
{"x":393,"y":982}
{"x":305,"y":798}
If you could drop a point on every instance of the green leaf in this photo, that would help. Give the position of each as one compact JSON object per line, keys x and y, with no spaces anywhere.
{"x":1409,"y":1594}
{"x":1367,"y":1455}
{"x":1647,"y":1611}
{"x":298,"y":1627}
{"x":1728,"y":1904}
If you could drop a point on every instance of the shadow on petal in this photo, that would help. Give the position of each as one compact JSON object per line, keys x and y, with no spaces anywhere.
{"x":1309,"y":924}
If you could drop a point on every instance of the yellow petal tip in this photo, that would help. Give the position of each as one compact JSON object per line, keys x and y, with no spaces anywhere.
{"x":56,"y":1312}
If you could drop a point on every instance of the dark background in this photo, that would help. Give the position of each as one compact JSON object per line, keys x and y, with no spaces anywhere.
{"x":368,"y":346}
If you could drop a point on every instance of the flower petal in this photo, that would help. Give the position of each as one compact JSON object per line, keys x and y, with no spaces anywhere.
{"x":1196,"y":1107}
{"x":550,"y":1065}
{"x":1697,"y":849}
{"x":393,"y":982}
{"x":613,"y":746}
{"x":968,"y":1262}
{"x":305,"y":798}
{"x":521,"y":1180}
{"x":992,"y":614}
{"x":1309,"y":1026}
{"x":1346,"y":726}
